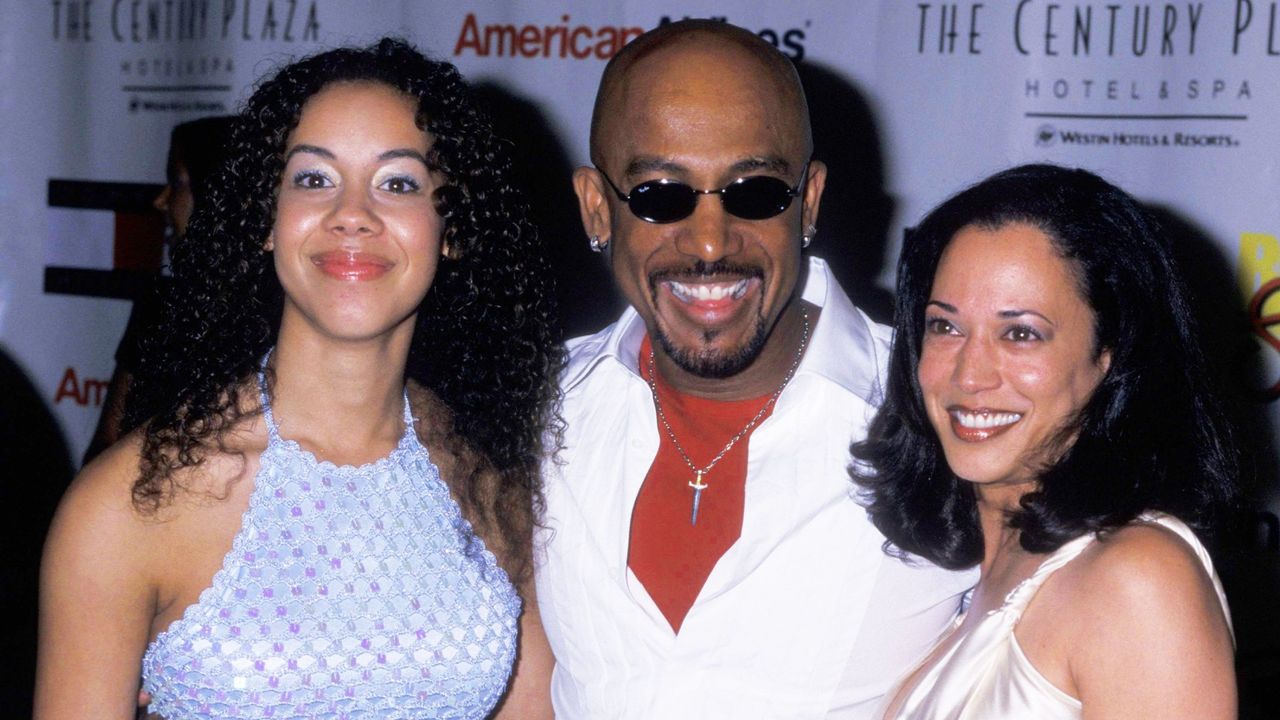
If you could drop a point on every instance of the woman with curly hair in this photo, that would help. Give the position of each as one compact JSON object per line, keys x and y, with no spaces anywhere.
{"x":1048,"y":418}
{"x":286,"y":535}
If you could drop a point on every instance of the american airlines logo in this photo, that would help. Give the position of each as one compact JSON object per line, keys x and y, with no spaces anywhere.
{"x":579,"y":41}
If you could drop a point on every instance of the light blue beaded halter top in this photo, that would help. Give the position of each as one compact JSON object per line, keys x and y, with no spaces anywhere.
{"x":349,"y":592}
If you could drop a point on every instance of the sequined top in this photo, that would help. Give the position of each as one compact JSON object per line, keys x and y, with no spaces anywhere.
{"x":349,"y":592}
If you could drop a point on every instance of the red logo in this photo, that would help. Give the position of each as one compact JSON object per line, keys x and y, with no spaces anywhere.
{"x":81,"y":391}
{"x":1262,"y":322}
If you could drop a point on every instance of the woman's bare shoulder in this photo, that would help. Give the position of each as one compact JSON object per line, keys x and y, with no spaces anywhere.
{"x":1149,"y":630}
{"x":1143,"y":565}
{"x":103,"y":499}
{"x":101,"y":495}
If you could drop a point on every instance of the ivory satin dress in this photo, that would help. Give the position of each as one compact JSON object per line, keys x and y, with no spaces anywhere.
{"x":986,"y":676}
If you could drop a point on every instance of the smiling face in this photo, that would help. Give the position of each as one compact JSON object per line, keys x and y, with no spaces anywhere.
{"x":1008,"y":356}
{"x":711,"y":287}
{"x":356,"y":235}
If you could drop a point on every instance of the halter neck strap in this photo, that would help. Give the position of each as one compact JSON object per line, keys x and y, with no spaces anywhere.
{"x":264,"y":397}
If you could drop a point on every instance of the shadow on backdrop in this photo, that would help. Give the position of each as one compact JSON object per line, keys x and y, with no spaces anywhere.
{"x":1249,"y":559}
{"x":584,"y":286}
{"x":853,"y":221}
{"x":29,"y":438}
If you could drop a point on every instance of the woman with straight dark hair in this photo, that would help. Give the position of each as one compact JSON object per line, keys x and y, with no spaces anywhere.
{"x":195,"y":152}
{"x":1048,"y":418}
{"x":285,"y":535}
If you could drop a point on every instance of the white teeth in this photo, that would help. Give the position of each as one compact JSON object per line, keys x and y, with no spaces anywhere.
{"x":984,"y":420}
{"x":691,"y":292}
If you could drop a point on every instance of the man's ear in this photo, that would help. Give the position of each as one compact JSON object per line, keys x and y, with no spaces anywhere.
{"x":593,"y":203}
{"x":813,"y":193}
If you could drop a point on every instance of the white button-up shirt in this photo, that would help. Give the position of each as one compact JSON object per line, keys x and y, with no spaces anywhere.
{"x":803,"y":617}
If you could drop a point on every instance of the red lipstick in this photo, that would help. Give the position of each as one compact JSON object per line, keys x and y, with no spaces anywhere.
{"x":352,"y":266}
{"x":977,"y":425}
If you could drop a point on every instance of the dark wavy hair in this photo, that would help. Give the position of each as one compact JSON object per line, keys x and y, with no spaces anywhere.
{"x":485,"y":347}
{"x":1152,"y":436}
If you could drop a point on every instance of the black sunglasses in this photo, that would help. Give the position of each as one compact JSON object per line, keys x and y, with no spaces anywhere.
{"x":757,"y":197}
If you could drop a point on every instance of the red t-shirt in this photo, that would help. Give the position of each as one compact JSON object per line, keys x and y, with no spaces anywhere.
{"x":669,"y":554}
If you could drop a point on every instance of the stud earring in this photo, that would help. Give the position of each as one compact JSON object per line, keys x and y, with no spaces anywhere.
{"x":807,"y":238}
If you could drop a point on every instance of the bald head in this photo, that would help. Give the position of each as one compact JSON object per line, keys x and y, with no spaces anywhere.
{"x":679,"y":55}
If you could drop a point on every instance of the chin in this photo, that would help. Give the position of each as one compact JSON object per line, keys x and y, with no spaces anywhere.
{"x":710,"y":362}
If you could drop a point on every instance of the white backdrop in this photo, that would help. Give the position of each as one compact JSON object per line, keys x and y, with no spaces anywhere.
{"x":1179,"y":103}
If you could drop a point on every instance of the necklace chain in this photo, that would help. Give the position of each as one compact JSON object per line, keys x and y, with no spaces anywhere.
{"x":699,"y":473}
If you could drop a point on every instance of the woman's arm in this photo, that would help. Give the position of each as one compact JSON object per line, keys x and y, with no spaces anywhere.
{"x":1153,"y":640}
{"x":96,"y":601}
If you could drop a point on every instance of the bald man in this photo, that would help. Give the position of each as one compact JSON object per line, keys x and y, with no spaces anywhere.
{"x":704,"y":556}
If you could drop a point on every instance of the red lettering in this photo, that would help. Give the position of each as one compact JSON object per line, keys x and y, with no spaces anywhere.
{"x":546,"y":41}
{"x":470,"y":38}
{"x":631,"y":33}
{"x":530,"y":39}
{"x":573,"y":41}
{"x":99,"y":389}
{"x":608,"y":47}
{"x":69,"y":387}
{"x":501,"y":33}
{"x":82,"y":392}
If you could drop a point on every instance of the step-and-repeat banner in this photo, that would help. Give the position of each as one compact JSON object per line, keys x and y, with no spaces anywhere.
{"x":1178,"y":102}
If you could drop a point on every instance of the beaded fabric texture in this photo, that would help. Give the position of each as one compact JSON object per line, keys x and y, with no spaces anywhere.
{"x":349,"y":592}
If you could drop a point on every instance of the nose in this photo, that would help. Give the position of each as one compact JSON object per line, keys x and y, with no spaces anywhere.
{"x":161,"y":201}
{"x":354,"y":213}
{"x":708,"y":234}
{"x":976,"y":368}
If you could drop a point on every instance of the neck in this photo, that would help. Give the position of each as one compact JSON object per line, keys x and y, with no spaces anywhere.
{"x":766,"y":372}
{"x":343,"y":400}
{"x":995,"y":503}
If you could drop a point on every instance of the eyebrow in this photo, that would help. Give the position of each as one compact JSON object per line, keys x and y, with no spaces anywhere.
{"x":404,"y":153}
{"x":326,"y":154}
{"x":1020,"y":312}
{"x":309,"y":149}
{"x":648,"y":163}
{"x":1015,"y":313}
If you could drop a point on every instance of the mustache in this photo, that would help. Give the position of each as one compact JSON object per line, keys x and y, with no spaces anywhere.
{"x":700,"y":269}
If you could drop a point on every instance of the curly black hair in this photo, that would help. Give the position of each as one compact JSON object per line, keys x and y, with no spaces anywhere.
{"x":1152,"y":436}
{"x":485,"y":343}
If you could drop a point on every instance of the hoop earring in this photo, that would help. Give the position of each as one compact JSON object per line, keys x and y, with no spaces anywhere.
{"x":597,"y":245}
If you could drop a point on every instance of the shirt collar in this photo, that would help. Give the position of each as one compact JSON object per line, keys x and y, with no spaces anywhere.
{"x":844,"y":348}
